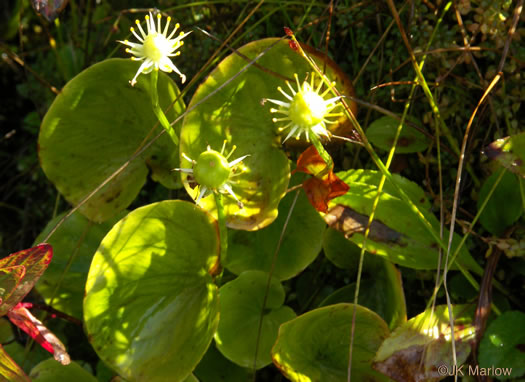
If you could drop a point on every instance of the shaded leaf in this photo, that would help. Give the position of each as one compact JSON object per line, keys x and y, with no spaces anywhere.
{"x":83,"y":120}
{"x":503,"y":344}
{"x":381,"y":288}
{"x":382,"y":132}
{"x":213,"y":367}
{"x":419,"y":349}
{"x":52,"y":371}
{"x":314,"y":346}
{"x":35,"y":261}
{"x":241,"y":305}
{"x":505,"y":205}
{"x":74,"y":242}
{"x":151,"y":307}
{"x":300,"y":245}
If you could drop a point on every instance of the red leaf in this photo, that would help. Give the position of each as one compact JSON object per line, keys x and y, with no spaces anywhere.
{"x":320,"y":189}
{"x":34,"y":261}
{"x":23,"y":318}
{"x":310,"y":162}
{"x":288,"y":31}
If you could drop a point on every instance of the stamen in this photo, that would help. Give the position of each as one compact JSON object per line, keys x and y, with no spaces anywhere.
{"x":173,"y":31}
{"x":140,"y":28}
{"x":167,"y":25}
{"x":188,"y":158}
{"x":328,"y":90}
{"x":283,"y":93}
{"x":158,"y":21}
{"x":292,"y":89}
{"x":136,"y":35}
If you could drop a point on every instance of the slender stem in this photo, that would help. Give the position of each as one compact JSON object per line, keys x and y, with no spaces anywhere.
{"x":158,"y":110}
{"x":323,"y":153}
{"x":223,"y":232}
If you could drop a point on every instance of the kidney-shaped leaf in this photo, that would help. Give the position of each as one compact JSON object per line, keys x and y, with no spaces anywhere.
{"x":382,"y":132}
{"x":151,"y":307}
{"x":35,"y":261}
{"x":420,"y":349}
{"x":314,"y":346}
{"x":74,"y":242}
{"x":396,"y":232}
{"x":94,"y":126}
{"x":241,"y":306}
{"x":300,"y":245}
{"x":237,"y":114}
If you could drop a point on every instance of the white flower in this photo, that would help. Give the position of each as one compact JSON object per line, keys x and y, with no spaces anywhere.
{"x":307,"y":110}
{"x":214,"y":173}
{"x":155,"y":48}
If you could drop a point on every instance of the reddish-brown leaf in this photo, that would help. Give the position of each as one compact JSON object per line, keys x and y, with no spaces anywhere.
{"x":22,"y":317}
{"x":34,"y":261}
{"x":320,"y":189}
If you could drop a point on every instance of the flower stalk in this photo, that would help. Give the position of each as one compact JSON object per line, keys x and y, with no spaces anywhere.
{"x":158,"y":110}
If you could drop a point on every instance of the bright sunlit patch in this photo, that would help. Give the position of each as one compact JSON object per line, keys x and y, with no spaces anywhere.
{"x":213,"y":172}
{"x":156,"y":47}
{"x":306,"y":110}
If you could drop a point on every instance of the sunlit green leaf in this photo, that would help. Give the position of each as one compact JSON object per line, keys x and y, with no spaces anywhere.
{"x":315,"y":346}
{"x":509,"y":152}
{"x":151,"y":306}
{"x":396,"y":232}
{"x":9,"y":370}
{"x":238,"y":115}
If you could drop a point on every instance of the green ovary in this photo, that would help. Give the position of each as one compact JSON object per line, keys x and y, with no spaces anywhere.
{"x":211,"y":170}
{"x":307,"y":108}
{"x":154,"y":46}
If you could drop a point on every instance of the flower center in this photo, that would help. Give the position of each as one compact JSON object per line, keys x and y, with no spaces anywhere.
{"x":307,"y":108}
{"x":156,"y":46}
{"x":211,"y":170}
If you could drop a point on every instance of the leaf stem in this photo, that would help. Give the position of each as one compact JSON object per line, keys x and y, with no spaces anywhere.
{"x":223,"y":231}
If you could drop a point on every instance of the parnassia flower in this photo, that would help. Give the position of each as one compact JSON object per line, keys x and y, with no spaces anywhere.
{"x":156,"y":47}
{"x":307,"y":110}
{"x":213,"y":172}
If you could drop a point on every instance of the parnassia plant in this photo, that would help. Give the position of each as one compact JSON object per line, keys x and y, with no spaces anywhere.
{"x":214,"y":285}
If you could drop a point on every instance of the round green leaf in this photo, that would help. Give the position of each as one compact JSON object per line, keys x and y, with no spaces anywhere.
{"x":74,"y":243}
{"x":504,"y":207}
{"x":314,"y":346}
{"x":151,"y":306}
{"x":95,"y":125}
{"x":300,"y":245}
{"x":503,"y":344}
{"x":382,"y":132}
{"x":52,"y":371}
{"x":237,"y":114}
{"x":241,"y":306}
